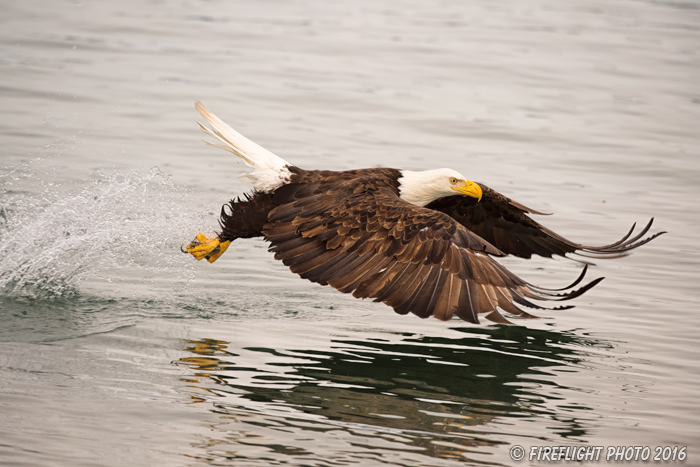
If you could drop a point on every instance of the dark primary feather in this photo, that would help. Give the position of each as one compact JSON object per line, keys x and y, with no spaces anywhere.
{"x":505,"y":224}
{"x":359,"y":237}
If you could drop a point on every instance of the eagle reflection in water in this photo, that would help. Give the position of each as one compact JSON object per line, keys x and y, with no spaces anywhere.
{"x":433,"y":396}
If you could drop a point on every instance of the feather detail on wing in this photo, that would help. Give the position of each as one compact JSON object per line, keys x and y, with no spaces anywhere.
{"x":505,"y":224}
{"x":362,"y":239}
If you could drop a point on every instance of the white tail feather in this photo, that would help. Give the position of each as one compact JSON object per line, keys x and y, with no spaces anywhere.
{"x":269,"y":170}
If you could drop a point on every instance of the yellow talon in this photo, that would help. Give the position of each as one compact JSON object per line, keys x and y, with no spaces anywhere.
{"x":202,"y":247}
{"x":218,"y":251}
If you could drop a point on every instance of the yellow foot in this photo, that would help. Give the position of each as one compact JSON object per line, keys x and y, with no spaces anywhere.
{"x":202,"y":247}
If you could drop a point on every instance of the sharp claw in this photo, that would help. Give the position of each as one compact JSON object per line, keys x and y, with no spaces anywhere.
{"x":218,"y":251}
{"x":202,"y":247}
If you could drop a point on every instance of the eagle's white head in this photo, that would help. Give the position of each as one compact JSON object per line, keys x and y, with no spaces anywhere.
{"x":422,"y":188}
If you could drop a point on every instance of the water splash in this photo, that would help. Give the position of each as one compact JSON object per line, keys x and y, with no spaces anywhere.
{"x":53,"y":238}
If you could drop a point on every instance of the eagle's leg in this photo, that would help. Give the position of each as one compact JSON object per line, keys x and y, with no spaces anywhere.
{"x":240,"y":218}
{"x":210,"y":248}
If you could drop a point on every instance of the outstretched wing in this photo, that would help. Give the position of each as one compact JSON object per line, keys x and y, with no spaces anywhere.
{"x":362,"y":239}
{"x":505,"y":224}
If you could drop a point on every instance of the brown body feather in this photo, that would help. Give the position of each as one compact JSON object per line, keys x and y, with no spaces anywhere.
{"x":245,"y":218}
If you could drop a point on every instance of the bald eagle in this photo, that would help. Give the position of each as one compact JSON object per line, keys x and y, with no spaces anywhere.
{"x":420,"y":242}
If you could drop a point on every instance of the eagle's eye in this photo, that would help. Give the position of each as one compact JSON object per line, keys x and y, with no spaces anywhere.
{"x":453,"y":181}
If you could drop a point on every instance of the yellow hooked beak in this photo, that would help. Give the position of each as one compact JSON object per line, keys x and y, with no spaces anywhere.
{"x":469,"y":188}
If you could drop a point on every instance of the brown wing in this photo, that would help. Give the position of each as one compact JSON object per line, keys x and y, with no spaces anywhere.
{"x":505,"y":224}
{"x":362,"y":239}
